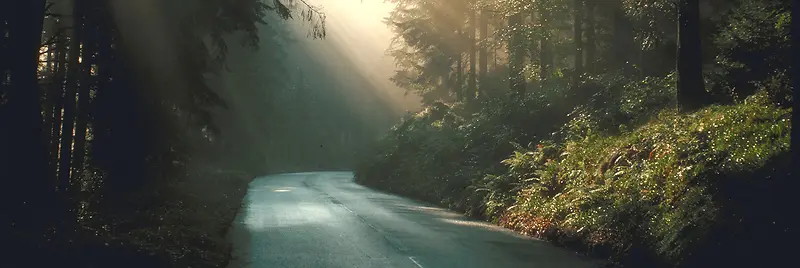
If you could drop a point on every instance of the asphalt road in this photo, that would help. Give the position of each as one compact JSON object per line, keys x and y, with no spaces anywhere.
{"x":324,"y":219}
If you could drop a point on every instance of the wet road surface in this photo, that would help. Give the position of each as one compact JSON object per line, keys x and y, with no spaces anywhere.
{"x":324,"y":219}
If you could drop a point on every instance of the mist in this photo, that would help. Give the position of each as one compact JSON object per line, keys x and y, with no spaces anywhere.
{"x":295,"y":103}
{"x":304,"y":104}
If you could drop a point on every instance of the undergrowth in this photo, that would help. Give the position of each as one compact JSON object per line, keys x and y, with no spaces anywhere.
{"x":182,"y":224}
{"x":670,"y":189}
{"x":604,"y":164}
{"x":682,"y":190}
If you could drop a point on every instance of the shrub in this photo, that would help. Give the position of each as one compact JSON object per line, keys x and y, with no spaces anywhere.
{"x":754,"y":45}
{"x":624,"y":175}
{"x":666,"y":188}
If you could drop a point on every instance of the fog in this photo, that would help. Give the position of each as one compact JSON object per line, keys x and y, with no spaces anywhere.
{"x":304,"y":104}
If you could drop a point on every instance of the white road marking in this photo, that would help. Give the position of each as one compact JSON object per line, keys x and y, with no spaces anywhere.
{"x":348,"y":209}
{"x":415,"y":261}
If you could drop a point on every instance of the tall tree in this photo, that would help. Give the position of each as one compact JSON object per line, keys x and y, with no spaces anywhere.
{"x":591,"y":39}
{"x":460,"y":72}
{"x":622,"y":41}
{"x":545,"y":46}
{"x":795,"y":82}
{"x":50,"y":34}
{"x":691,"y":88}
{"x":517,"y":55}
{"x":70,"y":102}
{"x":483,"y":57}
{"x":471,"y":83}
{"x":578,"y":38}
{"x":85,"y":78}
{"x":23,"y":153}
{"x":55,"y":100}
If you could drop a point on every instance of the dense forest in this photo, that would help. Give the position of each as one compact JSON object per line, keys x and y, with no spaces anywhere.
{"x":114,"y":143}
{"x":654,"y":133}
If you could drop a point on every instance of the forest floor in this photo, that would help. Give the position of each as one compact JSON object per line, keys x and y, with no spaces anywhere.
{"x":186,"y":227}
{"x":192,"y":230}
{"x":183,"y":225}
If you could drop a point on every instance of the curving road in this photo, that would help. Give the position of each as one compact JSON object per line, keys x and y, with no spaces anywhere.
{"x":324,"y":219}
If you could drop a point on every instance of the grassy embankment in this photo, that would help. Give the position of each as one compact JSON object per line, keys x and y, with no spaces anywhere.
{"x":705,"y":189}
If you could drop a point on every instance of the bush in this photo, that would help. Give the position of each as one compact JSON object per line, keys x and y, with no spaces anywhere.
{"x":446,"y":155}
{"x":671,"y":190}
{"x":667,"y":192}
{"x":618,"y":102}
{"x":754,"y":45}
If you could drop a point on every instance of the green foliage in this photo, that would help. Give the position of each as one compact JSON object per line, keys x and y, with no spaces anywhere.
{"x":446,"y":155}
{"x":657,"y":186}
{"x":754,"y":46}
{"x":653,"y":20}
{"x":605,"y":163}
{"x":617,"y":103}
{"x":655,"y":190}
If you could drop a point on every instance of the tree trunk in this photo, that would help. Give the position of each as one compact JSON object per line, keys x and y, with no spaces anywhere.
{"x":23,"y":154}
{"x":545,"y":49}
{"x":483,"y":54}
{"x":517,"y":82}
{"x":623,"y":44}
{"x":105,"y":86}
{"x":49,"y":96}
{"x":459,"y":84}
{"x":5,"y":50}
{"x":68,"y":126}
{"x":471,"y":85}
{"x":591,"y":42}
{"x":57,"y":100}
{"x":495,"y":60}
{"x":88,"y":34}
{"x":25,"y":26}
{"x":578,"y":39}
{"x":55,"y":92}
{"x":691,"y":90}
{"x":447,"y":83}
{"x":795,"y":83}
